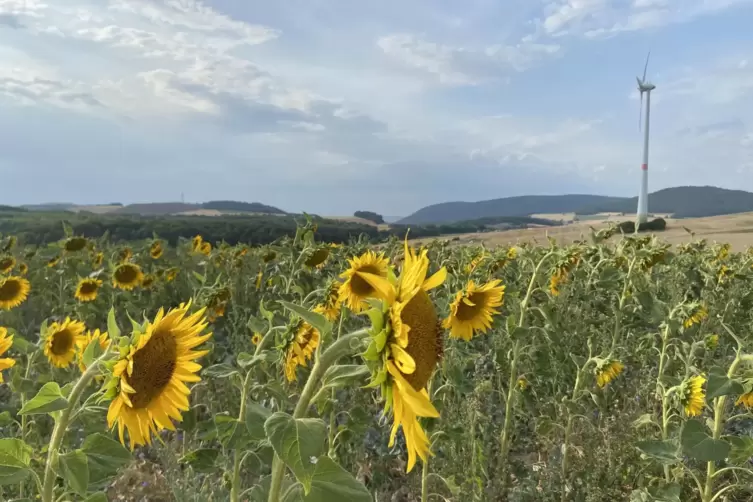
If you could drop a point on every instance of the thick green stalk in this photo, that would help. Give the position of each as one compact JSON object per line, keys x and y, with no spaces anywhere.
{"x":29,"y":362}
{"x":663,"y":394}
{"x":511,"y":385}
{"x":708,"y":495}
{"x":61,"y":425}
{"x":235,"y":487}
{"x":568,"y":432}
{"x":327,"y":358}
{"x":425,"y":481}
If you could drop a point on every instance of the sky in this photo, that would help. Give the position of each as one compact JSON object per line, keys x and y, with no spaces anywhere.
{"x":333,"y":106}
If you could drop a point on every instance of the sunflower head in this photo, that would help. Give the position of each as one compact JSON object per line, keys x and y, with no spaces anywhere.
{"x":405,"y":347}
{"x":300,"y":349}
{"x":127,"y":276}
{"x":196,"y":243}
{"x":155,"y":250}
{"x":62,"y":340}
{"x":692,"y":395}
{"x":171,"y":274}
{"x":53,"y":261}
{"x":606,"y":371}
{"x":73,"y":244}
{"x":256,"y":338}
{"x":102,"y":338}
{"x":97,"y":259}
{"x":472,"y":309}
{"x":23,"y":269}
{"x":205,"y":248}
{"x":148,"y":281}
{"x":7,"y":263}
{"x":269,"y":256}
{"x":125,"y":255}
{"x":87,"y":289}
{"x":317,"y":257}
{"x":357,"y":288}
{"x":148,"y":381}
{"x":697,"y":316}
{"x":13,"y":291}
{"x":331,"y":304}
{"x":744,"y":399}
{"x":6,"y":342}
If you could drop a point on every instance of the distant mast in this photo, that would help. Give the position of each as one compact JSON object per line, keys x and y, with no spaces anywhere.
{"x":647,"y":87}
{"x":182,"y":198}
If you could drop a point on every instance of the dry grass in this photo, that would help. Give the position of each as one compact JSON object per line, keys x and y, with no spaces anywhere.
{"x":736,"y":229}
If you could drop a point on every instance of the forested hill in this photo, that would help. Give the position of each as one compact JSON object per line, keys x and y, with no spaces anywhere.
{"x":682,"y":202}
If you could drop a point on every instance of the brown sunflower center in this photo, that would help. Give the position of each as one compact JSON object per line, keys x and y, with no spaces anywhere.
{"x":153,"y":367}
{"x":358,"y":284}
{"x":469,"y":312}
{"x":317,"y":257}
{"x":88,"y":287}
{"x":9,"y":290}
{"x":62,"y":342}
{"x":7,"y":263}
{"x":424,"y":339}
{"x":126,"y":274}
{"x":75,"y":244}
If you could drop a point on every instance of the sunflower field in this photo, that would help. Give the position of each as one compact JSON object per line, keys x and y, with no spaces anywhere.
{"x":617,"y":369}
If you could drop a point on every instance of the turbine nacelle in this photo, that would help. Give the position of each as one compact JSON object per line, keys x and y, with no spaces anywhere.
{"x":644,"y":86}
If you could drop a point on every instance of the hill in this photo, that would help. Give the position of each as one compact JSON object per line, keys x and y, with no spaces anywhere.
{"x":241,"y":207}
{"x":681,"y":202}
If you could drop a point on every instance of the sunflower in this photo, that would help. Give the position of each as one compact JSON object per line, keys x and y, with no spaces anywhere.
{"x":5,"y":343}
{"x":53,"y":261}
{"x":125,"y":255}
{"x":472,"y":310}
{"x":23,"y":269}
{"x":73,"y":244}
{"x":148,"y":281}
{"x":171,"y":274}
{"x":317,"y":258}
{"x":356,"y":289}
{"x":155,"y":250}
{"x":300,"y":349}
{"x":127,"y":276}
{"x":607,"y":372}
{"x":89,"y":337}
{"x":693,"y":396}
{"x":523,"y":383}
{"x":269,"y":256}
{"x":259,"y":277}
{"x":149,"y":379}
{"x":712,"y":342}
{"x":406,"y":346}
{"x":98,"y":259}
{"x":87,"y":289}
{"x":205,"y":248}
{"x":698,"y":316}
{"x":475,"y":263}
{"x":62,"y":340}
{"x":13,"y":291}
{"x":744,"y":400}
{"x":196,"y":243}
{"x":330,"y":309}
{"x":6,"y":264}
{"x":512,"y":253}
{"x":256,"y":338}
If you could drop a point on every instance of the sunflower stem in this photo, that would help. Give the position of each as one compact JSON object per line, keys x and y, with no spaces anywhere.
{"x":61,"y":425}
{"x":708,"y":489}
{"x":338,"y":349}
{"x":29,"y":362}
{"x":511,"y":384}
{"x":235,"y":487}
{"x":425,"y":481}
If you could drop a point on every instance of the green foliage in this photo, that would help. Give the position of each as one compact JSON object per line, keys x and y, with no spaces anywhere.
{"x":369,"y":215}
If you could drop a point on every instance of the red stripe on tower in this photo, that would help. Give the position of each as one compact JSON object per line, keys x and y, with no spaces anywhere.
{"x":644,"y":167}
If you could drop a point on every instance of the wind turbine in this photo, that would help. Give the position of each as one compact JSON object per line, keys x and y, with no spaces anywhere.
{"x":647,"y":87}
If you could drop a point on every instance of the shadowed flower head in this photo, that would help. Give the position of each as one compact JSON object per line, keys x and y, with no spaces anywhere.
{"x":357,"y":287}
{"x":13,"y":291}
{"x":472,"y":309}
{"x":608,"y":371}
{"x":127,"y":276}
{"x":692,"y":395}
{"x":87,"y":289}
{"x":6,"y":342}
{"x":62,"y":340}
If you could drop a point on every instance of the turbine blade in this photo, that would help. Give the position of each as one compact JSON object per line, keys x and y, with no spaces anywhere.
{"x":646,"y":66}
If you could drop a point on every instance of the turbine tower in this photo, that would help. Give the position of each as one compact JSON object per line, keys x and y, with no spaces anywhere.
{"x":644,"y":86}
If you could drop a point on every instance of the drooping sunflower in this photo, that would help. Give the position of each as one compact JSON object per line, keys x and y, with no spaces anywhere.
{"x":155,"y":250}
{"x":475,"y":263}
{"x":171,"y":274}
{"x":13,"y":291}
{"x":87,"y":289}
{"x":317,"y":257}
{"x":53,"y":261}
{"x":698,"y":316}
{"x":256,"y":338}
{"x":259,"y":277}
{"x":23,"y":269}
{"x":405,"y":348}
{"x":6,"y":264}
{"x":472,"y":309}
{"x":330,"y":307}
{"x":125,"y":255}
{"x":744,"y":400}
{"x":148,"y":383}
{"x":127,"y":276}
{"x":102,"y":338}
{"x":148,"y":281}
{"x":269,"y":256}
{"x":693,"y":396}
{"x":97,"y":259}
{"x":196,"y":243}
{"x":357,"y":289}
{"x":6,"y":342}
{"x":62,"y":340}
{"x":73,"y":244}
{"x":300,"y":349}
{"x":608,"y":371}
{"x":205,"y":248}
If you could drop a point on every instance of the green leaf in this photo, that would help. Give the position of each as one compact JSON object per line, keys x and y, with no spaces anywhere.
{"x":645,"y":419}
{"x":5,"y":419}
{"x":97,"y":497}
{"x":223,"y":370}
{"x":341,"y":375}
{"x":256,"y":417}
{"x":719,"y":384}
{"x":105,"y":456}
{"x":318,"y":321}
{"x":330,"y":483}
{"x":22,"y":345}
{"x":202,"y":460}
{"x":519,"y":333}
{"x":742,"y":449}
{"x":697,"y":443}
{"x":231,"y":432}
{"x":92,"y":352}
{"x":247,"y":361}
{"x":15,"y":456}
{"x":112,"y":325}
{"x":74,"y":467}
{"x":298,"y":442}
{"x":48,"y":400}
{"x":256,"y":325}
{"x":202,"y":279}
{"x":665,"y":452}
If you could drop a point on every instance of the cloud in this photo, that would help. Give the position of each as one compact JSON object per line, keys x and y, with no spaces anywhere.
{"x":462,"y":66}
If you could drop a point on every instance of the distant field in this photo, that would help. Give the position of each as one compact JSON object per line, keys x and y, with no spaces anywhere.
{"x":736,"y":229}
